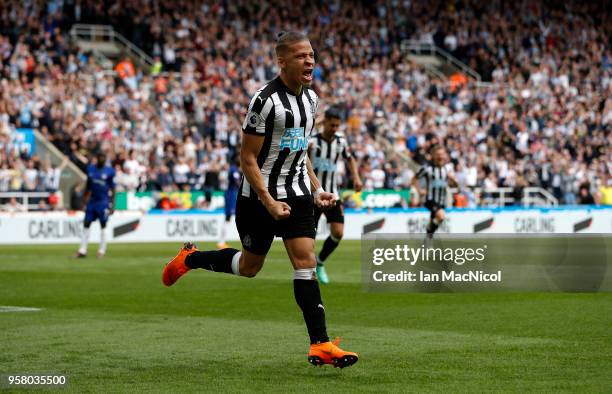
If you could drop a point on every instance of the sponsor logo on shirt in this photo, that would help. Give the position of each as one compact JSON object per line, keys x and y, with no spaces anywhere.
{"x":294,"y":140}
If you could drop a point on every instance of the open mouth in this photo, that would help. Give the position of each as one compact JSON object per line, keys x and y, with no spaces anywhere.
{"x":307,"y":75}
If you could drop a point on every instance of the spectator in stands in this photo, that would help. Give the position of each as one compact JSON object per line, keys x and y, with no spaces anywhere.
{"x":5,"y":177}
{"x":605,"y":190}
{"x":50,"y":175}
{"x":127,"y":73}
{"x":584,"y":195}
{"x":30,"y":177}
{"x":13,"y":206}
{"x":76,"y":197}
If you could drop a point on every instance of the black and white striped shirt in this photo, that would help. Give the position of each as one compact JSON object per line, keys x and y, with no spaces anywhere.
{"x":286,"y":122}
{"x":324,"y":157}
{"x":435,"y":181}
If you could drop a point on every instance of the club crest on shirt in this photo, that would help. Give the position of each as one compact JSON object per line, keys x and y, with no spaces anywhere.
{"x":313,"y":107}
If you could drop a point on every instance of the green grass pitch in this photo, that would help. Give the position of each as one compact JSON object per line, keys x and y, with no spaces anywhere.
{"x":111,"y":326}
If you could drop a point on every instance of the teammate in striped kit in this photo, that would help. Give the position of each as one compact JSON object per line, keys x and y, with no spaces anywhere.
{"x":325,"y":150}
{"x":275,"y":197}
{"x":435,"y":180}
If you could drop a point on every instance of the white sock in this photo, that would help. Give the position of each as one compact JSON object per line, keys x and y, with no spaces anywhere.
{"x":236,"y":263}
{"x":102,"y":248}
{"x":84,"y":241}
{"x":222,"y":237}
{"x":304,"y":274}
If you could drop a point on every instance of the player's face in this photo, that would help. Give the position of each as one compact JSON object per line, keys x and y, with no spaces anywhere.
{"x":331,"y":126}
{"x":439,"y":157}
{"x":298,"y":63}
{"x":100,"y":161}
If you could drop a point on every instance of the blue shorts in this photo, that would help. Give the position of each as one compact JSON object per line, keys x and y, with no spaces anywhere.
{"x":230,"y":203}
{"x":97,"y":211}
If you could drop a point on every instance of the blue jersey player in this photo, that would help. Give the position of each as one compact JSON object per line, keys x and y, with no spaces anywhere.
{"x":234,"y":178}
{"x":99,"y":197}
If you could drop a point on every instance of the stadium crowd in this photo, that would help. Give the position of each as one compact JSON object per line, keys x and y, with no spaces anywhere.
{"x":543,"y":118}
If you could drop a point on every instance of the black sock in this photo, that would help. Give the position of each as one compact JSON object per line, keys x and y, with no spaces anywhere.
{"x":212,"y":260}
{"x":308,"y":297}
{"x":328,"y":247}
{"x":431,"y":227}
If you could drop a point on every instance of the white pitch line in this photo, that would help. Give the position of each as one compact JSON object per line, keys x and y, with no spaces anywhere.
{"x":18,"y":309}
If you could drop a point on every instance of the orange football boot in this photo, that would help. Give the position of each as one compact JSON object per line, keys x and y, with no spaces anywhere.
{"x":177,"y":268}
{"x":330,"y":353}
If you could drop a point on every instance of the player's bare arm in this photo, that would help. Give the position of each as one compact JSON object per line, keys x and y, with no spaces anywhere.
{"x":452,"y":181}
{"x":357,"y":184}
{"x":251,"y":145}
{"x":415,"y":184}
{"x":111,"y":205}
{"x":86,"y":196}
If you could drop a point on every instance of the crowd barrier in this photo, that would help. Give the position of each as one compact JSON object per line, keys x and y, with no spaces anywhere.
{"x":176,"y":226}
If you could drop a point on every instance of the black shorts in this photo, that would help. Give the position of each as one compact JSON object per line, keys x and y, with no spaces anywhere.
{"x":333,"y":215}
{"x":433,"y":207}
{"x":257,"y":228}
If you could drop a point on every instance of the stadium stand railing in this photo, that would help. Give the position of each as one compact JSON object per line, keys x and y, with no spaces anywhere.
{"x":388,"y":147}
{"x":71,"y":174}
{"x":30,"y":201}
{"x":104,"y":40}
{"x":434,"y":58}
{"x":537,"y":196}
{"x":506,"y":196}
